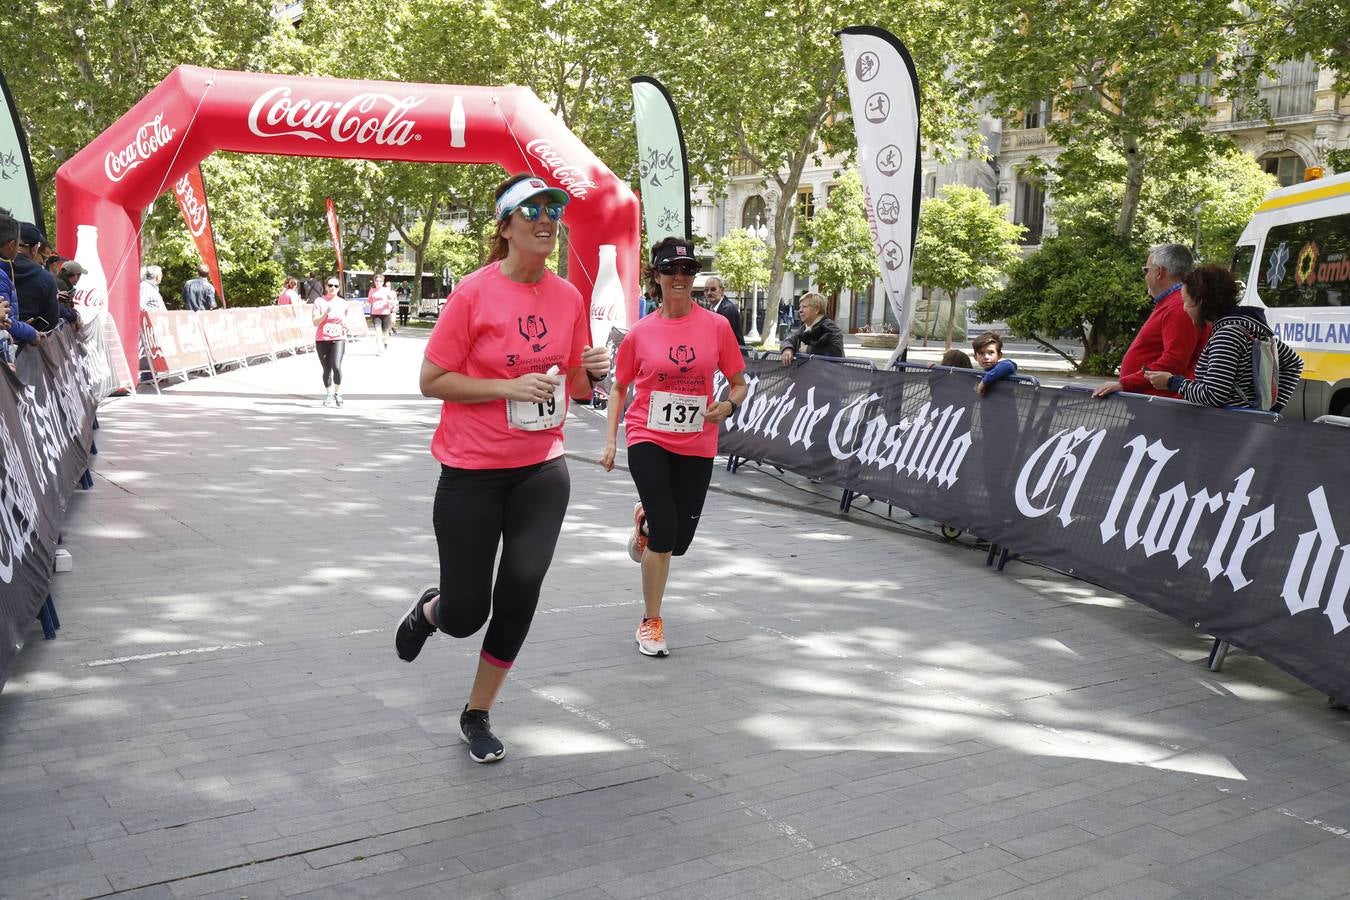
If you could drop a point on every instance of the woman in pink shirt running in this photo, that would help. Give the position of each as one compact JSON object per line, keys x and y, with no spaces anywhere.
{"x":670,"y":357}
{"x":381,"y":312}
{"x":509,"y":349}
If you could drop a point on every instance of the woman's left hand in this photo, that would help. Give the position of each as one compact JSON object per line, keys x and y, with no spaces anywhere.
{"x":1158,"y":379}
{"x":595,"y":360}
{"x":718,"y":411}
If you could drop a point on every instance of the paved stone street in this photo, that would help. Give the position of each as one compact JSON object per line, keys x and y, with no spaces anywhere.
{"x":852,"y":708}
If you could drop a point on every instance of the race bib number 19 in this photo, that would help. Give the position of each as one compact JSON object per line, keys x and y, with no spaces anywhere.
{"x":676,"y":413}
{"x":528,"y":415}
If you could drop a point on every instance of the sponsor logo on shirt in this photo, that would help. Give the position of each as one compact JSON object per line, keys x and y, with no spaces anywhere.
{"x":682,"y":356}
{"x":533,"y":329}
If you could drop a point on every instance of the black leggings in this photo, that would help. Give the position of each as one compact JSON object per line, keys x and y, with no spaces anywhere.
{"x":672,"y":488}
{"x":330,"y":357}
{"x":475,"y":510}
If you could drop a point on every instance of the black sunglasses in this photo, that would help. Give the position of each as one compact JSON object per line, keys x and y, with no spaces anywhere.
{"x":334,"y":284}
{"x":684,"y":268}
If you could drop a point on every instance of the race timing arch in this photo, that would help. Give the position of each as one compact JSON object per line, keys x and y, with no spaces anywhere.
{"x":195,"y":112}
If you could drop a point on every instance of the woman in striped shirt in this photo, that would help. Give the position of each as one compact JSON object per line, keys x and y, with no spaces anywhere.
{"x":1224,"y":373}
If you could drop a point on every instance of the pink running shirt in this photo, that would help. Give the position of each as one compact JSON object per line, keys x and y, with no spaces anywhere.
{"x":333,"y":325}
{"x":675,"y":360}
{"x":493,"y":327}
{"x":381,"y":301}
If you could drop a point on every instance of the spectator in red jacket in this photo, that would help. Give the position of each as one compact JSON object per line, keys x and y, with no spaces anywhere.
{"x":1170,"y":341}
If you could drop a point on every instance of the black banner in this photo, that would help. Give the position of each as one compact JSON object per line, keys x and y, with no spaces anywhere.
{"x":1237,"y":524}
{"x":48,"y":413}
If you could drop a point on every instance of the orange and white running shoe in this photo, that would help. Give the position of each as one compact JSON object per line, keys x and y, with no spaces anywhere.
{"x":637,"y":542}
{"x":651,"y":638}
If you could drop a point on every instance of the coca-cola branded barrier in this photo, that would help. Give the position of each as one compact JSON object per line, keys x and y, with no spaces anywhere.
{"x":102,"y":190}
{"x":172,"y":343}
{"x":177,"y":342}
{"x":48,"y":410}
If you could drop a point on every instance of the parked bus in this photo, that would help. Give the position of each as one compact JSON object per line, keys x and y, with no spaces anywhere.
{"x":1294,"y":256}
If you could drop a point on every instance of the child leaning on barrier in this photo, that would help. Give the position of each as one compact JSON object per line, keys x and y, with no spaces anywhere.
{"x":989,"y":354}
{"x":956,"y":359}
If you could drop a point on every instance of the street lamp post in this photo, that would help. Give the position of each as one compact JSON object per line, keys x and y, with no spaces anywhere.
{"x":761,"y":231}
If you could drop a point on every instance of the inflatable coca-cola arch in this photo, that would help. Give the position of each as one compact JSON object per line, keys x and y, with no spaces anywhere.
{"x":195,"y":112}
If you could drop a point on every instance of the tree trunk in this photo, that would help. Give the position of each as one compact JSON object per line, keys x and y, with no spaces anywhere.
{"x":787,"y":202}
{"x":1134,"y":184}
{"x":951,"y":318}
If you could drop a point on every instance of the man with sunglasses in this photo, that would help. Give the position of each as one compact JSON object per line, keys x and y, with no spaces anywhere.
{"x":719,"y":303}
{"x":198,"y":294}
{"x":508,"y":351}
{"x":1169,"y":340}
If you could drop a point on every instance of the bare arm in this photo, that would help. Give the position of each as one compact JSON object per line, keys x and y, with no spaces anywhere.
{"x":735,"y":397}
{"x":456,"y":387}
{"x":617,"y":395}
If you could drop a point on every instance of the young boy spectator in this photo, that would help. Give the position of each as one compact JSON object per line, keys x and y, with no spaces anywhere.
{"x":989,"y":354}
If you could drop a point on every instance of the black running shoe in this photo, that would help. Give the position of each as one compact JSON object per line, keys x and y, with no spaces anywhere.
{"x":476,"y":731}
{"x":413,"y":629}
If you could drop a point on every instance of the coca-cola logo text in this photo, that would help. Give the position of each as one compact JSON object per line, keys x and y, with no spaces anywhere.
{"x":572,"y":178}
{"x":149,"y":138}
{"x":194,"y":210}
{"x":96,"y":297}
{"x":365,"y":118}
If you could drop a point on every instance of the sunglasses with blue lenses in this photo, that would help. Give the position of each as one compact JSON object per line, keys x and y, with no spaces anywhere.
{"x":682,"y":268}
{"x":532,"y":211}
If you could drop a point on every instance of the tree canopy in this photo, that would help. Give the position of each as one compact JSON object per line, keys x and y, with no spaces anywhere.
{"x":835,"y":245}
{"x":964,"y":242}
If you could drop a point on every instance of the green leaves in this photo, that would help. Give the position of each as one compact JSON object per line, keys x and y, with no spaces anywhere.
{"x":836,"y":244}
{"x":964,"y":242}
{"x":741,"y":259}
{"x":1084,"y":282}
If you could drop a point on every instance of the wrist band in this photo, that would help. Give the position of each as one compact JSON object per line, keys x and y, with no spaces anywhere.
{"x":593,"y":377}
{"x":734,"y":406}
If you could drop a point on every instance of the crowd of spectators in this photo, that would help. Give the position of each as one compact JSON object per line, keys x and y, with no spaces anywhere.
{"x":33,"y":299}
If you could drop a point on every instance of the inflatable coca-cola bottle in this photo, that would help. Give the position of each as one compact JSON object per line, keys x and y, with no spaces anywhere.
{"x":92,"y":289}
{"x":607,"y":299}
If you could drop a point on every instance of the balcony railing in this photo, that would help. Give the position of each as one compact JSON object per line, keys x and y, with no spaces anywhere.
{"x":1025,"y":138}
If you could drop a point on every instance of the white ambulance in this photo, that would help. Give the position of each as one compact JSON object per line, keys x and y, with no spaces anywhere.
{"x":1295,"y":258}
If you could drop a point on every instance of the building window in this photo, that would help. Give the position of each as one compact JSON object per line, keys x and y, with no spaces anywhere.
{"x":1037,"y":116}
{"x":1287,"y":167}
{"x":743,"y":165}
{"x":806,"y":203}
{"x":1292,"y":91}
{"x":930,"y":185}
{"x":1029,"y":209}
{"x":753,"y":212}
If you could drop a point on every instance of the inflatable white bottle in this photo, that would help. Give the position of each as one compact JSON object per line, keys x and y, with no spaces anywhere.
{"x":92,"y":290}
{"x":457,"y":123}
{"x":607,"y":300}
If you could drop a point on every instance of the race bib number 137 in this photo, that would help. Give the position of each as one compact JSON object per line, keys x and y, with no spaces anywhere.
{"x":676,"y":413}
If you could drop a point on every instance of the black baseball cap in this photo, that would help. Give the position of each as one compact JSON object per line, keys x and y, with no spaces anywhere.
{"x":674,"y":252}
{"x":29,"y":234}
